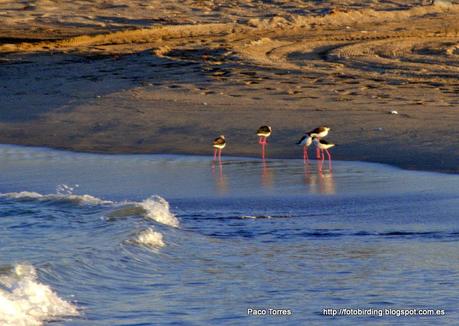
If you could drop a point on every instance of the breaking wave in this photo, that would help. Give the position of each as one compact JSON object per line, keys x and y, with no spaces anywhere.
{"x":157,"y":209}
{"x":79,"y":199}
{"x":154,"y":208}
{"x":150,"y":238}
{"x":24,"y":301}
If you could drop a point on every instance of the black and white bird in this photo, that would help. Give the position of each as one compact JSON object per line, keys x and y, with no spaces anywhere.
{"x":319,"y":132}
{"x":324,"y":145}
{"x":305,"y":141}
{"x":219,"y":143}
{"x":263,"y":133}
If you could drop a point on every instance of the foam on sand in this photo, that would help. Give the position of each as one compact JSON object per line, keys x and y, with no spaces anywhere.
{"x":150,"y":238}
{"x":24,"y":301}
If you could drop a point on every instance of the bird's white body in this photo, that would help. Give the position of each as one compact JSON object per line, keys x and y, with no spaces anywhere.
{"x":320,"y":132}
{"x":264,"y":134}
{"x":305,"y":141}
{"x":220,"y":146}
{"x":322,"y":144}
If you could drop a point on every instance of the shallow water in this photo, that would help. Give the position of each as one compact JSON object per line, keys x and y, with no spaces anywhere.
{"x":150,"y":239}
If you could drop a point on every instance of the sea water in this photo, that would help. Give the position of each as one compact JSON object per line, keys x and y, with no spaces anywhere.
{"x":90,"y":239}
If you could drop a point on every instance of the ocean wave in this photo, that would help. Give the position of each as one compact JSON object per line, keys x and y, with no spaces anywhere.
{"x":154,"y":208}
{"x":24,"y":301}
{"x":79,"y":199}
{"x":150,"y":238}
{"x":158,"y":209}
{"x":256,"y":216}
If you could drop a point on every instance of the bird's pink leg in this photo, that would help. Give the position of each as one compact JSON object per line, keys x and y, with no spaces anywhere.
{"x":319,"y":166}
{"x":305,"y":154}
{"x":329,"y":160}
{"x":317,"y":153}
{"x":219,"y":154}
{"x":220,"y":169}
{"x":263,"y":150}
{"x":215,"y":154}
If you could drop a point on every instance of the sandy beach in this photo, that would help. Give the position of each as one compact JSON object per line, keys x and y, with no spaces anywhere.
{"x":169,"y":76}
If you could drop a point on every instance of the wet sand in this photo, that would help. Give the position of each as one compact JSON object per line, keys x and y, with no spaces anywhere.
{"x":169,"y":77}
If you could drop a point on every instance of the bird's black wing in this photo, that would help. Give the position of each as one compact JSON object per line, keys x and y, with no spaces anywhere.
{"x":263,"y":129}
{"x":301,"y":140}
{"x":318,"y":130}
{"x":218,"y":141}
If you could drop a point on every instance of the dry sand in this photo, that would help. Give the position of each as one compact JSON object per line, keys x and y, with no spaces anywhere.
{"x":169,"y":76}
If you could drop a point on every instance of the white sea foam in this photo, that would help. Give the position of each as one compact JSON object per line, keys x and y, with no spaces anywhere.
{"x":23,"y":195}
{"x":157,"y":209}
{"x":150,"y":238}
{"x":24,"y":301}
{"x":256,"y":216}
{"x":85,"y":199}
{"x":80,"y":199}
{"x":64,"y":189}
{"x":154,"y":208}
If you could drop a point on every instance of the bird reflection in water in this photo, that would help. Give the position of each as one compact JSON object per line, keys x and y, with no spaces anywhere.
{"x":321,"y":181}
{"x":219,"y":177}
{"x":266,"y":175}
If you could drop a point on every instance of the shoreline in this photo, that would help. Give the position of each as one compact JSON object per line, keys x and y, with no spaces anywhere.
{"x":232,"y":156}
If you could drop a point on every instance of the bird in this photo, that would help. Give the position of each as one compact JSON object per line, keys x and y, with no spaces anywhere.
{"x":305,"y":141}
{"x":324,"y":145}
{"x":219,"y":143}
{"x":263,"y":132}
{"x":319,"y":132}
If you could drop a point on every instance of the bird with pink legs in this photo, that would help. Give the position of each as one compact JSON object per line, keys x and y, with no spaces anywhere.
{"x":319,"y":132}
{"x":305,"y":141}
{"x":263,"y":133}
{"x":218,"y":144}
{"x":323,"y":145}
